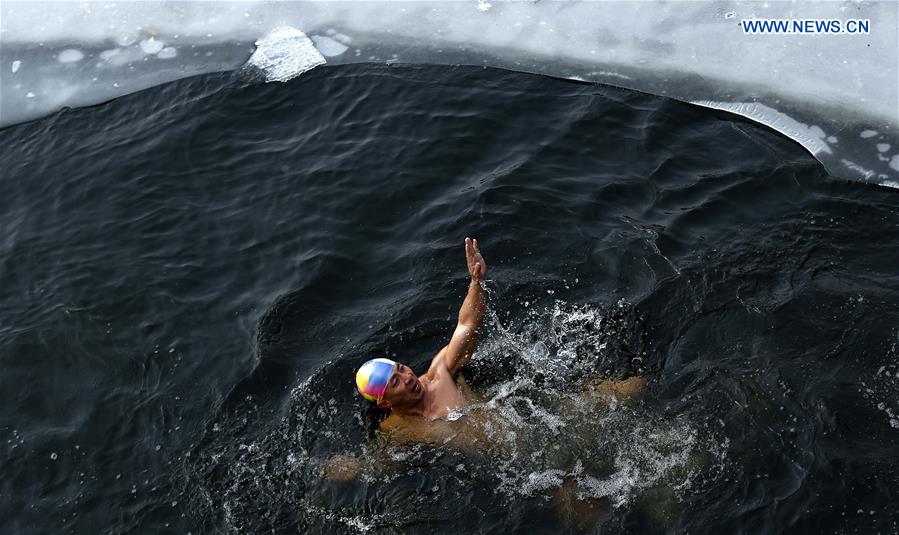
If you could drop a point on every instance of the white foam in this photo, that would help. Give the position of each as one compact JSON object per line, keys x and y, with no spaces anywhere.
{"x":883,"y":387}
{"x":285,"y":53}
{"x":540,"y":481}
{"x":70,"y":55}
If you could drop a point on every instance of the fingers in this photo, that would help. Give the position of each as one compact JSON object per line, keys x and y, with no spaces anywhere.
{"x":471,"y":246}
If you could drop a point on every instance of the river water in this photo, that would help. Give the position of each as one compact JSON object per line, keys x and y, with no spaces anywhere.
{"x":192,"y":273}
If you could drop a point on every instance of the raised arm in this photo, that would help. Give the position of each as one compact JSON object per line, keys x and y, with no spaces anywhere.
{"x":461,"y":347}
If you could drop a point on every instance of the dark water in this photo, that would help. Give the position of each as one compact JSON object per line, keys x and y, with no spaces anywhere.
{"x":191,"y":274}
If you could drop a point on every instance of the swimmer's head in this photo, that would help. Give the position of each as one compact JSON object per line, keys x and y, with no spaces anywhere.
{"x":372,"y":378}
{"x":389,"y":384}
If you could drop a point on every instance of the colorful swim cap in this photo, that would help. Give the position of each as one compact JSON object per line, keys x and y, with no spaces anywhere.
{"x":372,"y":377}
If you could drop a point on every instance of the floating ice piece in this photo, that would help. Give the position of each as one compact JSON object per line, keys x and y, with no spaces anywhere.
{"x":151,"y":45}
{"x":894,"y":162}
{"x":116,"y":57}
{"x":70,"y":55}
{"x":484,"y":6}
{"x":867,"y":173}
{"x":285,"y":53}
{"x":168,"y":52}
{"x":867,"y":133}
{"x":343,"y":38}
{"x":15,"y":66}
{"x":328,"y":47}
{"x":883,"y":147}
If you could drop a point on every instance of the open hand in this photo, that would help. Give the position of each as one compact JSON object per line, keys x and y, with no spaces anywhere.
{"x":477,"y":267}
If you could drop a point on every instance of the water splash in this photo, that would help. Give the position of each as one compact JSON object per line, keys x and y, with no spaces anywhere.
{"x":540,"y":425}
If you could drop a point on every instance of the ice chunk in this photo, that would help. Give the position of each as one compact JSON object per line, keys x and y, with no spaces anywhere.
{"x":151,"y":45}
{"x":343,"y":38}
{"x":698,"y":56}
{"x":15,"y":66}
{"x":117,"y":57}
{"x":285,"y":53}
{"x":168,"y":52}
{"x":864,"y":172}
{"x":883,"y":147}
{"x":70,"y":55}
{"x":328,"y":47}
{"x":810,"y":137}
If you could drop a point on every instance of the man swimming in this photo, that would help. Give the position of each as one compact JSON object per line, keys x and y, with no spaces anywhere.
{"x":419,"y":405}
{"x":394,"y":386}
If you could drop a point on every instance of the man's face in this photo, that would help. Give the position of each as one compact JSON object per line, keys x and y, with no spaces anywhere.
{"x":403,"y":387}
